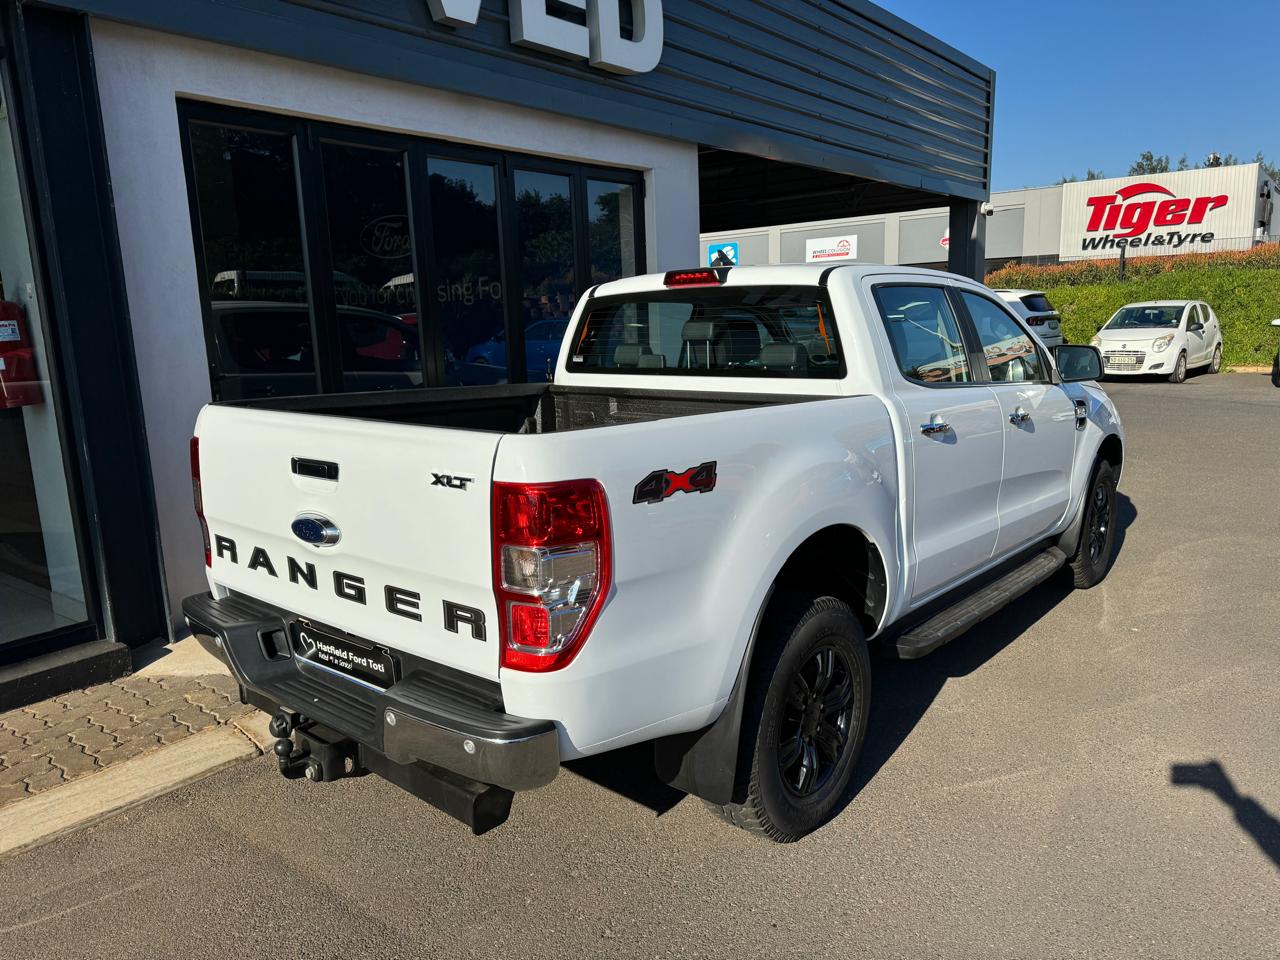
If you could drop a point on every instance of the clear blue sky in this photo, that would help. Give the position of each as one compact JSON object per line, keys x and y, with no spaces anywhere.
{"x":1093,"y":84}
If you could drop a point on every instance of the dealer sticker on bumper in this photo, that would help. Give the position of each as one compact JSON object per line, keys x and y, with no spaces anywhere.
{"x":369,"y":664}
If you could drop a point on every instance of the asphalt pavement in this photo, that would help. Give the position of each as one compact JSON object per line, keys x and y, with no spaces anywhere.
{"x":1088,"y":774}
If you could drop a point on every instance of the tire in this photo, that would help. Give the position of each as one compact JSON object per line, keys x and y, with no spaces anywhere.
{"x":1096,"y":549}
{"x":1275,"y":371}
{"x":1215,"y":365}
{"x":1179,"y":369}
{"x":802,"y":753}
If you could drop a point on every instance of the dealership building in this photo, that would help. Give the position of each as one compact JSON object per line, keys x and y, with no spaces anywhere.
{"x":1165,"y":214}
{"x":229,"y":199}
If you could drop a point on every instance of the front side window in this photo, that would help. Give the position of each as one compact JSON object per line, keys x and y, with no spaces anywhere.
{"x":924,"y":333}
{"x":1011,"y":353}
{"x":731,"y":331}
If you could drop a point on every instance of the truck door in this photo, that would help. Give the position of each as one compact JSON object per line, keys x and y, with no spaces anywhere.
{"x":1038,"y":419}
{"x":951,"y":427}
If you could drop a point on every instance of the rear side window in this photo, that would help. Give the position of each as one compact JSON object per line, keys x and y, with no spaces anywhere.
{"x":924,"y":333}
{"x":724,"y":331}
{"x":1037,"y":303}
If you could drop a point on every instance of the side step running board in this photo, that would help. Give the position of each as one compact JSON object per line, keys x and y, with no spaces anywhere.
{"x":973,"y":609}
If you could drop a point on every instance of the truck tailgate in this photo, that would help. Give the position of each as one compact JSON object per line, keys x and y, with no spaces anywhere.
{"x":411,"y":569}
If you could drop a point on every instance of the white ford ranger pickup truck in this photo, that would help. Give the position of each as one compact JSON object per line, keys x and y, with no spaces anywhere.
{"x":737,"y":479}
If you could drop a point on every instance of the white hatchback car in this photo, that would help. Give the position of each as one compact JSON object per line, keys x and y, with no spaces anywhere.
{"x":1037,"y":313}
{"x":1162,"y":337}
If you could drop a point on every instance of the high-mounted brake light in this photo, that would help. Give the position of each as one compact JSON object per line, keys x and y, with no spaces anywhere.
{"x":695,"y":278}
{"x":198,"y":495}
{"x":551,"y":569}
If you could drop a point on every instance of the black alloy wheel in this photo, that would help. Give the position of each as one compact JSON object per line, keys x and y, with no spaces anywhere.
{"x":1100,"y":532}
{"x":1092,"y":559}
{"x":804,"y":717}
{"x":817,"y":718}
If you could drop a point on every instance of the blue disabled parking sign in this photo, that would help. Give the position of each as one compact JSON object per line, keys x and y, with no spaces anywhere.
{"x":722,"y":255}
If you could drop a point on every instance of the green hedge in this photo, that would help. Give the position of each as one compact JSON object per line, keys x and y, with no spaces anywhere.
{"x":1243,"y":289}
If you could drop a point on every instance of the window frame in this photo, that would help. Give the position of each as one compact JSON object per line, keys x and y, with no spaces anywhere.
{"x":308,"y":139}
{"x":1036,"y":345}
{"x":980,"y":376}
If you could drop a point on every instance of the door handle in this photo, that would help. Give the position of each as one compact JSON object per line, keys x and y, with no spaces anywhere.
{"x":1018,"y":416}
{"x":935,"y":425}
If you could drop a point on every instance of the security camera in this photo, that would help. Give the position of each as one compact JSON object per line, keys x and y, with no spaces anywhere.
{"x":987,"y":210}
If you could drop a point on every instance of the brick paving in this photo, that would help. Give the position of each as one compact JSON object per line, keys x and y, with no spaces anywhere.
{"x":76,"y":734}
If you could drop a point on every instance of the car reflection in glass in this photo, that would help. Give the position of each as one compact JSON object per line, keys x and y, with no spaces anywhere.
{"x":541,"y":347}
{"x":265,"y":349}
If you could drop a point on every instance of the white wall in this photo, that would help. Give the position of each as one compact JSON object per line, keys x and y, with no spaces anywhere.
{"x":142,"y":73}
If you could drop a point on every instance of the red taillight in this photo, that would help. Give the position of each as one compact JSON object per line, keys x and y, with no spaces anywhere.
{"x":551,"y":569}
{"x":1035,"y":321}
{"x":695,"y":278}
{"x":198,"y":496}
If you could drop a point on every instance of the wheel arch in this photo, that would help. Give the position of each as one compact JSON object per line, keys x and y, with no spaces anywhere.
{"x":1111,"y":450}
{"x":708,"y":763}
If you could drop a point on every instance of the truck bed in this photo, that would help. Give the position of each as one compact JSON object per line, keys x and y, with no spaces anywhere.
{"x":527,"y":408}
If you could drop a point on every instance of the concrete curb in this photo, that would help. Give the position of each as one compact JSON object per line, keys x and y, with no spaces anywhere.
{"x":41,"y":818}
{"x":1251,"y":369}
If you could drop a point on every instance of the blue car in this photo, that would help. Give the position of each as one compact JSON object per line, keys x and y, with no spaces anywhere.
{"x":541,"y":346}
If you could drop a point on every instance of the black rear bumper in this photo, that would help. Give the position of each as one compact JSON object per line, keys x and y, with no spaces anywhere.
{"x":433,"y":714}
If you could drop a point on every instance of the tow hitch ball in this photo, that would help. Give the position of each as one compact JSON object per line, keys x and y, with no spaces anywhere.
{"x":319,"y":754}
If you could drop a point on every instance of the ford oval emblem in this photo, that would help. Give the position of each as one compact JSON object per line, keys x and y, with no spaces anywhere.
{"x":316,"y":530}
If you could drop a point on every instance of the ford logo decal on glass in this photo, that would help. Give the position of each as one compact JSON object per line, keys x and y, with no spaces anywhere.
{"x":316,"y":530}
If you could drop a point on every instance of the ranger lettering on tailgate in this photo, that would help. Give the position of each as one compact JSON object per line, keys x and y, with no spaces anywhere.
{"x":398,"y":600}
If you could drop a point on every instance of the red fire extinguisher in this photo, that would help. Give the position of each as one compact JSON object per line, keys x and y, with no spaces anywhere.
{"x":19,"y":384}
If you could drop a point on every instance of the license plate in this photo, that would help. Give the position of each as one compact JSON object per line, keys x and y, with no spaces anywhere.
{"x":1122,"y":362}
{"x":343,"y":655}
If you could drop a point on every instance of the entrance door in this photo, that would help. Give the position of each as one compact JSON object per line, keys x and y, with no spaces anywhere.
{"x":950,"y":421}
{"x":41,"y":585}
{"x":1038,"y":420}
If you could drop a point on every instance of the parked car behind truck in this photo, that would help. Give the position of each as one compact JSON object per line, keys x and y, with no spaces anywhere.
{"x":738,"y":478}
{"x":1163,"y":337}
{"x":1037,"y":312}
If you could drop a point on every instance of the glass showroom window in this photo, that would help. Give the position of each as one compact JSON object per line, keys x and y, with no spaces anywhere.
{"x":41,"y":586}
{"x":259,"y":314}
{"x":340,"y":259}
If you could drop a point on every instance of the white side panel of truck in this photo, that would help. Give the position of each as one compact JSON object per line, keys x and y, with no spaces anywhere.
{"x":691,"y":572}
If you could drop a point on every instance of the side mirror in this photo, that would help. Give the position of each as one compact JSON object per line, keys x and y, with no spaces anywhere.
{"x":1196,"y":327}
{"x":1077,"y":362}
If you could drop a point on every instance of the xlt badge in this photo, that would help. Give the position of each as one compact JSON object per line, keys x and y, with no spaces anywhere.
{"x":451,"y":481}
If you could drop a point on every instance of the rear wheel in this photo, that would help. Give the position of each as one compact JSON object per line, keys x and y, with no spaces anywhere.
{"x":1215,"y":365}
{"x":805,"y":717}
{"x":1179,"y":369}
{"x":1097,"y":543}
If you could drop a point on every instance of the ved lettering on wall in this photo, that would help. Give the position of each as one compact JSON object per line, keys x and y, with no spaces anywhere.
{"x":599,"y":41}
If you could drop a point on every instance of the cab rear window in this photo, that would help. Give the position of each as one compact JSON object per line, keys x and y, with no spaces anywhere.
{"x":775,"y":331}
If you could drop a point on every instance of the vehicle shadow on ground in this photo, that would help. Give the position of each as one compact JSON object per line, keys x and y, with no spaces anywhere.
{"x":902,"y":691}
{"x":629,"y":773}
{"x":1252,"y":817}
